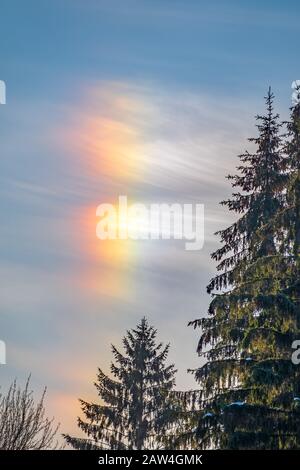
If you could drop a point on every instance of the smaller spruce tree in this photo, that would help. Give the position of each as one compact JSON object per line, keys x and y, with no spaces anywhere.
{"x":136,"y":400}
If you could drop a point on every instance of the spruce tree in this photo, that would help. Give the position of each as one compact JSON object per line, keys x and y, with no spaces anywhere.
{"x":291,"y":220}
{"x":136,"y":398}
{"x":249,"y":385}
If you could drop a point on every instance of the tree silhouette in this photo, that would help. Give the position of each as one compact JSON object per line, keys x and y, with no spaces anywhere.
{"x":249,"y":386}
{"x":23,"y":424}
{"x":137,"y":398}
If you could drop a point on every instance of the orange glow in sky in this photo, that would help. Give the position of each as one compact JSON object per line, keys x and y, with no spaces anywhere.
{"x":107,"y":141}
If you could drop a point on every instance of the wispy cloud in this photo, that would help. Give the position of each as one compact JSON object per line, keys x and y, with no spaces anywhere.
{"x":69,"y":296}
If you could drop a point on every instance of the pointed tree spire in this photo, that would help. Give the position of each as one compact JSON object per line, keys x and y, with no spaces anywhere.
{"x":136,"y":397}
{"x":249,"y":382}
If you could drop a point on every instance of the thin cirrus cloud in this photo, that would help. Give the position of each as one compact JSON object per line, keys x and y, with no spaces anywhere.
{"x":152,"y":147}
{"x":80,"y":293}
{"x":140,"y":135}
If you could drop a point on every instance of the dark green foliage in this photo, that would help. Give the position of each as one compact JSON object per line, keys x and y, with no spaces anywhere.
{"x":249,"y":385}
{"x":136,"y":402}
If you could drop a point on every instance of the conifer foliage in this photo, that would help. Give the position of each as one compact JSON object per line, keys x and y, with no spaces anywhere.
{"x":250,"y":388}
{"x":136,"y":399}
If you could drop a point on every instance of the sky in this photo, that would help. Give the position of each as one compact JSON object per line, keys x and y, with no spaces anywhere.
{"x":149,"y":99}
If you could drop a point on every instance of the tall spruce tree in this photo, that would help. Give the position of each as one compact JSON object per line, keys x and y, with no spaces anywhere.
{"x":249,"y":385}
{"x":291,"y":220}
{"x":136,"y":399}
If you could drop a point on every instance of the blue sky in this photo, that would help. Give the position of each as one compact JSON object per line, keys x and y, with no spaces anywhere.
{"x":170,"y":89}
{"x":219,"y":46}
